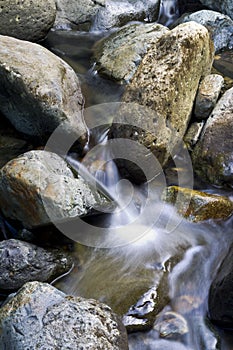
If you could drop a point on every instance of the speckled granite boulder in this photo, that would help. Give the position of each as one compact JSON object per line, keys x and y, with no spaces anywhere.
{"x":21,"y":262}
{"x":27,"y":19}
{"x":41,"y":317}
{"x":38,"y":90}
{"x":38,"y":187}
{"x":224,"y":6}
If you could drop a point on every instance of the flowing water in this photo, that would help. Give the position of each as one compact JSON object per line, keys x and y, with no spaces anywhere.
{"x":155,"y":247}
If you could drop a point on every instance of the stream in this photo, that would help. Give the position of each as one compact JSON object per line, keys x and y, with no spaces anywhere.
{"x":153,"y":240}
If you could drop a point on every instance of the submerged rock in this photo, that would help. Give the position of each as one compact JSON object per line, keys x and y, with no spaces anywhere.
{"x":27,"y":20}
{"x":219,"y":26}
{"x":166,"y":82}
{"x":76,"y":13}
{"x":117,"y":13}
{"x":22,"y":262}
{"x":213,"y":155}
{"x":41,"y":317}
{"x":38,"y":188}
{"x":207,"y":95}
{"x":171,"y":325}
{"x":220,"y":296}
{"x":119,"y":55}
{"x":198,"y":206}
{"x":224,"y":6}
{"x":38,"y":91}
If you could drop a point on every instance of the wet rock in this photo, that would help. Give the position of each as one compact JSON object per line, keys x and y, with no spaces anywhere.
{"x":27,"y":20}
{"x":219,"y":26}
{"x":193,"y":134}
{"x":38,"y":187}
{"x":119,"y":55}
{"x":76,"y":13}
{"x":171,"y":325}
{"x":39,"y":316}
{"x":220,"y":296}
{"x":38,"y":91}
{"x":118,"y":13}
{"x":22,"y":262}
{"x":207,"y":95}
{"x":166,"y":82}
{"x":212,"y":155}
{"x":198,"y":206}
{"x":11,"y":147}
{"x":224,"y":6}
{"x":141,"y":316}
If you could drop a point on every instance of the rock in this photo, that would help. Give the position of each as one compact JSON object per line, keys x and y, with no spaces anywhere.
{"x":192,"y":135}
{"x":220,"y":296}
{"x":166,"y":82}
{"x":38,"y":188}
{"x":41,"y":317}
{"x":11,"y":147}
{"x":27,"y":20}
{"x":207,"y":95}
{"x":78,"y":13}
{"x":117,"y":13}
{"x":213,"y":155}
{"x":198,"y":206}
{"x":119,"y":55}
{"x":171,"y":325}
{"x":224,"y":6}
{"x":22,"y":262}
{"x":38,"y":91}
{"x":219,"y":26}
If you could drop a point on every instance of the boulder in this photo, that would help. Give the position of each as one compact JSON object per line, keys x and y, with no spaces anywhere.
{"x":224,"y":6}
{"x":198,"y":206}
{"x":78,"y":13}
{"x":117,"y":13}
{"x":38,"y":188}
{"x":38,"y":90}
{"x":119,"y":55}
{"x":207,"y":95}
{"x":27,"y":19}
{"x":213,"y":155}
{"x":221,"y":296}
{"x":219,"y":26}
{"x":22,"y":262}
{"x":41,"y":317}
{"x":166,"y":82}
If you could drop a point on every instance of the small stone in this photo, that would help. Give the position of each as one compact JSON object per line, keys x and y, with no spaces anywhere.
{"x":171,"y":325}
{"x":193,"y":134}
{"x":207,"y":95}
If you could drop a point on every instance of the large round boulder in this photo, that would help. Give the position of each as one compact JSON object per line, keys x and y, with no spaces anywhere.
{"x":38,"y":90}
{"x":38,"y":187}
{"x":41,"y":317}
{"x":27,"y":19}
{"x":213,"y":155}
{"x":224,"y":6}
{"x":166,"y":82}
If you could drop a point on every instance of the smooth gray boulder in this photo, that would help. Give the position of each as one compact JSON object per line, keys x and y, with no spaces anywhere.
{"x":207,"y":95}
{"x":38,"y":90}
{"x":38,"y":188}
{"x":119,"y":55}
{"x":27,"y":20}
{"x":41,"y":317}
{"x":224,"y":6}
{"x":117,"y":13}
{"x":213,"y":154}
{"x":21,"y":262}
{"x":219,"y":26}
{"x":78,"y":13}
